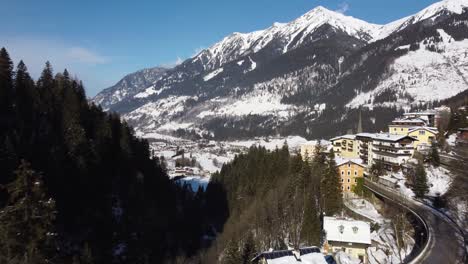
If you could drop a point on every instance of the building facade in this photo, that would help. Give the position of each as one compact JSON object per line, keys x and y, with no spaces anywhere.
{"x":425,"y":136}
{"x":350,"y":170}
{"x":345,"y":146}
{"x":392,"y":150}
{"x":351,"y":236}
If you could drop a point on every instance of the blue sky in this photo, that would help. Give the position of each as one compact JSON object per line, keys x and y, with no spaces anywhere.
{"x":101,"y":41}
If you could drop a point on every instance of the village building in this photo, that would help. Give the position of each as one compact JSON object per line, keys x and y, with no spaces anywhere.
{"x":402,"y":126}
{"x":345,"y":146}
{"x":350,"y":236}
{"x":429,"y":116}
{"x":425,"y":136}
{"x":307,"y":255}
{"x":365,"y":147}
{"x":276,"y":257}
{"x":350,"y":170}
{"x":308,"y":149}
{"x":392,"y":150}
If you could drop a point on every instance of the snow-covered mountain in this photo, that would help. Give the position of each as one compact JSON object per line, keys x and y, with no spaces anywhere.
{"x":131,"y":85}
{"x":308,"y":77}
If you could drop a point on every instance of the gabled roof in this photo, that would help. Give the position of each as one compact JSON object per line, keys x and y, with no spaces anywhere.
{"x":340,"y":161}
{"x":347,"y":231}
{"x":429,"y":129}
{"x":344,"y":137}
{"x":392,"y":137}
{"x":429,"y":112}
{"x":410,"y":120}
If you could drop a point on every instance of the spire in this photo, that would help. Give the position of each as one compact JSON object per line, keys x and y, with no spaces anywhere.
{"x":359,"y":126}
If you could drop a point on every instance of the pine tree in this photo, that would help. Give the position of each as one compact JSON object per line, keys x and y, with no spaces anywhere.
{"x":435,"y":158}
{"x":232,"y":254}
{"x":420,"y":188}
{"x":6,"y":88}
{"x":331,"y":187}
{"x":310,"y":232}
{"x":27,"y":229}
{"x":249,"y":249}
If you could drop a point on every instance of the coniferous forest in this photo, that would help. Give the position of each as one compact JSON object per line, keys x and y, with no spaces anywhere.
{"x":76,"y":185}
{"x":278,"y":199}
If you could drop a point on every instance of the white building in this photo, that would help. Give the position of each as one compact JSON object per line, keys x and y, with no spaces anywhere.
{"x":351,"y":236}
{"x":391,"y":150}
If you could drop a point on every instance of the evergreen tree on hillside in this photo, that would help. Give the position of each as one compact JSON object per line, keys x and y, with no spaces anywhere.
{"x":26,"y":223}
{"x":420,"y":187}
{"x":331,"y":187}
{"x":231,"y":253}
{"x":249,"y":249}
{"x":434,"y":156}
{"x":310,"y":232}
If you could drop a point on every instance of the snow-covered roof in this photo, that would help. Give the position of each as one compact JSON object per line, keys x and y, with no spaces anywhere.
{"x":344,"y":137}
{"x":278,"y":257}
{"x":409,"y":120}
{"x":340,"y":161}
{"x":368,"y":135}
{"x":430,"y":129}
{"x":347,"y":231}
{"x":425,"y":113}
{"x":390,"y":137}
{"x":313,"y":143}
{"x":313,"y":258}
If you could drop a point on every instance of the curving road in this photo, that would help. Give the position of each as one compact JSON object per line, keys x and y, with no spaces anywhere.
{"x":445,"y":242}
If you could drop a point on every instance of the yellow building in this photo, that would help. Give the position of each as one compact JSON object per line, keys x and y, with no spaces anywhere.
{"x":350,"y":170}
{"x":346,"y":146}
{"x":308,"y":149}
{"x":425,"y":136}
{"x":351,"y":236}
{"x":402,"y":126}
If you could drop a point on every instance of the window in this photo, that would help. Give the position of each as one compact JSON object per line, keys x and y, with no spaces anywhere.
{"x":342,"y":172}
{"x":349,"y":173}
{"x":355,"y":173}
{"x":355,"y":180}
{"x":349,"y":165}
{"x":422,"y":132}
{"x":349,"y":180}
{"x":342,"y":188}
{"x":349,"y":188}
{"x":401,"y":129}
{"x":342,"y":180}
{"x":355,"y":229}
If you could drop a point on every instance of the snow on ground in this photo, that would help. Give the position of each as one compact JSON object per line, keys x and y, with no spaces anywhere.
{"x":365,"y":208}
{"x":212,"y":74}
{"x":256,"y":103}
{"x":451,"y":140}
{"x":386,"y":243}
{"x":343,"y":258}
{"x":294,"y":142}
{"x":439,"y":180}
{"x":172,"y":126}
{"x":424,"y":75}
{"x":195,"y":182}
{"x":313,"y":258}
{"x":207,"y":160}
{"x":149,"y":91}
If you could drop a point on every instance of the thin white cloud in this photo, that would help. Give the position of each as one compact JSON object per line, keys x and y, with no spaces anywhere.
{"x":78,"y":59}
{"x":174,"y":63}
{"x":83,"y":55}
{"x":343,"y":8}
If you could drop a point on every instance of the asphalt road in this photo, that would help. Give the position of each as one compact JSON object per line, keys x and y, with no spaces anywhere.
{"x":446,"y":243}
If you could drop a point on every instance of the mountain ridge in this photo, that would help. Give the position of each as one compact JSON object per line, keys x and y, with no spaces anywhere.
{"x":303,"y":71}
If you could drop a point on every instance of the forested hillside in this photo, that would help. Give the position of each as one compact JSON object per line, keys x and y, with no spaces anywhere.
{"x":275,"y":200}
{"x":77,"y":186}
